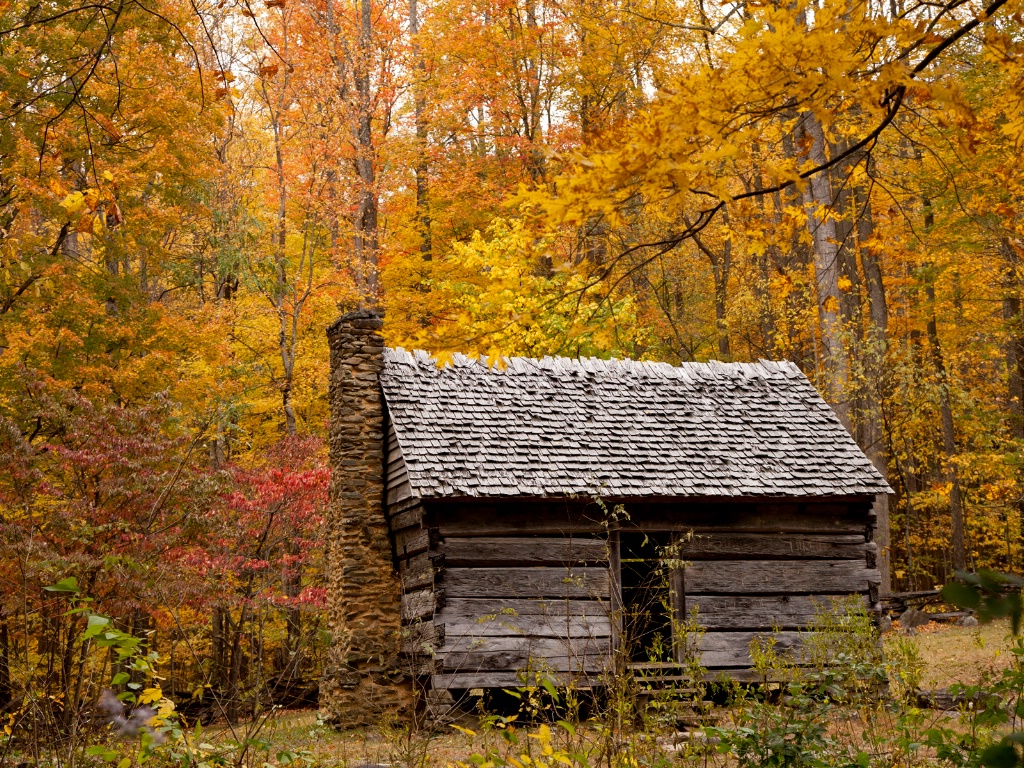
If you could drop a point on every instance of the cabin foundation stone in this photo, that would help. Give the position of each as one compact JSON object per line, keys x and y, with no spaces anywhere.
{"x":363,"y":680}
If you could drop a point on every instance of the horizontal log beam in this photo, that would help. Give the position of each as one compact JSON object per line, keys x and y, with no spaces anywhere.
{"x":504,"y":625}
{"x":774,"y":546}
{"x":416,"y":572}
{"x":513,"y":680}
{"x":532,"y":517}
{"x":526,"y":582}
{"x":522,"y":653}
{"x":475,"y":607}
{"x":758,"y":612}
{"x":732,"y":649}
{"x":523,"y":551}
{"x":487,"y":521}
{"x":418,"y":605}
{"x":774,"y":577}
{"x":411,"y":541}
{"x":407,"y":518}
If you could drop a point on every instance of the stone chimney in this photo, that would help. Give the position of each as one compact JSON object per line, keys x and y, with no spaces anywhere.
{"x":362,"y":681}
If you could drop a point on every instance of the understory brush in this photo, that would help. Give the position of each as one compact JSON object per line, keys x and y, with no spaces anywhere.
{"x":832,"y":700}
{"x":837,"y":702}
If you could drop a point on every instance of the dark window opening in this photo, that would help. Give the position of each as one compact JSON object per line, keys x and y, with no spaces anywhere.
{"x":651,"y":597}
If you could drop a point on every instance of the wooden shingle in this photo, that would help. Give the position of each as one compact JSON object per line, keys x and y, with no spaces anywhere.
{"x":618,"y":428}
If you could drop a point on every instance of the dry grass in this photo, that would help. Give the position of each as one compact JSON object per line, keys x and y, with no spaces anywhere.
{"x":950,"y":655}
{"x":954,"y":654}
{"x":298,"y":732}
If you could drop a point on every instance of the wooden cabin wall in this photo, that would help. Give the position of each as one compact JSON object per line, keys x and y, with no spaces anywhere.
{"x":774,"y":567}
{"x":417,"y":572}
{"x":492,"y":588}
{"x":518,"y":597}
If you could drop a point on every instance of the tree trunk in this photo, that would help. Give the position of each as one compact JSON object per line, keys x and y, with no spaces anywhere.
{"x":956,"y":507}
{"x":5,"y":662}
{"x":721,"y":265}
{"x":217,"y":650}
{"x":875,"y":346}
{"x":422,"y":168}
{"x":762,"y":283}
{"x":291,"y":585}
{"x":281,"y":290}
{"x":818,"y":204}
{"x":1014,"y":359}
{"x":366,"y":244}
{"x":234,"y":687}
{"x":1015,"y":337}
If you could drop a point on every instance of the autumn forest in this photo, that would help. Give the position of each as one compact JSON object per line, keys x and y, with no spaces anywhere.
{"x":191,"y":191}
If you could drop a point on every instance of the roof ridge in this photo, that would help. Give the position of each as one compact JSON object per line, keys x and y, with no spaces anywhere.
{"x":713,"y":369}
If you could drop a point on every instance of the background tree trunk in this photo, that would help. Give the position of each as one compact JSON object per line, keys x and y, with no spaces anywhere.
{"x":419,"y":108}
{"x":820,"y":221}
{"x":366,"y":244}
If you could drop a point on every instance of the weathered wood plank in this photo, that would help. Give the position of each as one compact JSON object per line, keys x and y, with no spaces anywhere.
{"x":779,"y":577}
{"x":777,"y":546}
{"x":399,"y":492}
{"x":397,"y":474}
{"x":397,"y":485}
{"x":402,"y":506}
{"x":471,"y":608}
{"x":505,"y":625}
{"x":520,"y":653}
{"x":418,"y":605}
{"x":411,"y":541}
{"x":485,"y":519}
{"x":408,"y":518}
{"x":416,"y":572}
{"x":732,"y":649}
{"x":615,"y":605}
{"x":747,"y":520}
{"x":526,"y":582}
{"x":531,"y":647}
{"x":420,"y":638}
{"x":467,"y":680}
{"x":757,"y":612}
{"x":523,"y":551}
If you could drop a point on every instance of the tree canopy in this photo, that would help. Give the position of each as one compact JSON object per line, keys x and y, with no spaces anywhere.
{"x":191,"y":191}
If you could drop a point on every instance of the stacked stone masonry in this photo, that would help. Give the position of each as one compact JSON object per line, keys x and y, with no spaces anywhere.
{"x":363,"y":682}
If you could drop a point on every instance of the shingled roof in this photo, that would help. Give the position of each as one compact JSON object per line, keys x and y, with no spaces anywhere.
{"x":618,"y":428}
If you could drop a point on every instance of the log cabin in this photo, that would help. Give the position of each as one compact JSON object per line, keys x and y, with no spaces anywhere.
{"x":575,"y":517}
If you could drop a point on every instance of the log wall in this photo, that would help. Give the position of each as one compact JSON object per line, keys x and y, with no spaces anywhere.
{"x":775,"y":572}
{"x":518,"y":603}
{"x":491,"y":589}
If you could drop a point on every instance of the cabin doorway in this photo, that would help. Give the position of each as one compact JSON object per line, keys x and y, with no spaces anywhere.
{"x":653,"y":599}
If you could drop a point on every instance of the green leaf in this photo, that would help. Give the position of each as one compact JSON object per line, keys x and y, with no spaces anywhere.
{"x":105,"y":754}
{"x":97,"y":626}
{"x":568,"y":727}
{"x":1001,"y":755}
{"x":69,"y":585}
{"x":121,"y":678}
{"x":961,"y":595}
{"x":549,"y":687}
